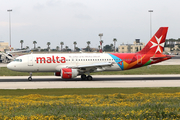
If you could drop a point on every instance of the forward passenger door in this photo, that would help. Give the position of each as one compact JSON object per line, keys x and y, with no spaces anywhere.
{"x":30,"y":60}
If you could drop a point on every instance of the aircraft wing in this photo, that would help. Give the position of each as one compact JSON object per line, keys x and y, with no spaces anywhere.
{"x":95,"y":65}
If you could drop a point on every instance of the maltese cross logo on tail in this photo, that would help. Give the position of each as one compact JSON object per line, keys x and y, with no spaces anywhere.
{"x":159,"y":45}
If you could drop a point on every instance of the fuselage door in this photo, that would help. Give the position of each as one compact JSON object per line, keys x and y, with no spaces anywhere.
{"x":30,"y":60}
{"x":139,"y":59}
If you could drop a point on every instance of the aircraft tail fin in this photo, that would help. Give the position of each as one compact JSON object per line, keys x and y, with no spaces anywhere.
{"x":156,"y":43}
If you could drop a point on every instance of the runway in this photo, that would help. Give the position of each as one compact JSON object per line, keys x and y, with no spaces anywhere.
{"x":99,"y":81}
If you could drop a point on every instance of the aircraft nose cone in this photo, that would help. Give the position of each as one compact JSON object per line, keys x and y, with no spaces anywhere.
{"x":10,"y":66}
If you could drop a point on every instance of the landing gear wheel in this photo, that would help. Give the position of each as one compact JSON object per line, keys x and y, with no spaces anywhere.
{"x":89,"y":77}
{"x":83,"y":77}
{"x":29,"y":78}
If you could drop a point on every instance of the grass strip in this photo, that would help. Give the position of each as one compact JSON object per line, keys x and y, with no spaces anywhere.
{"x":115,"y":106}
{"x":86,"y":91}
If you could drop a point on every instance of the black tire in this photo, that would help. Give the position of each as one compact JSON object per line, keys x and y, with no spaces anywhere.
{"x":89,"y":77}
{"x":30,"y":78}
{"x":83,"y":77}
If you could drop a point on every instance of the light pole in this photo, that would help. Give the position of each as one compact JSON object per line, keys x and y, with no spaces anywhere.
{"x":100,"y":35}
{"x":10,"y":10}
{"x":150,"y":11}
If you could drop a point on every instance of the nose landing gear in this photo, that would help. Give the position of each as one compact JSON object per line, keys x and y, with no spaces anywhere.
{"x":30,"y":76}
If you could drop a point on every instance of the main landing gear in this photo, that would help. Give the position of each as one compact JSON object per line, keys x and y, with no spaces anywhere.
{"x":30,"y":76}
{"x":84,"y":77}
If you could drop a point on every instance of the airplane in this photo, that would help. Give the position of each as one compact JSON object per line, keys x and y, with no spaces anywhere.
{"x":69,"y":66}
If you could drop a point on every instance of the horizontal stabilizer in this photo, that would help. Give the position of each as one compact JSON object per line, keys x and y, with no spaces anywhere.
{"x":157,"y":58}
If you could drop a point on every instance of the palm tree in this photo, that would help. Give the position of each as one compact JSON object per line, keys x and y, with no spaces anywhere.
{"x":88,"y":43}
{"x":57,"y":48}
{"x":39,"y":48}
{"x":75,"y":43}
{"x":66,"y":48}
{"x":61,"y":43}
{"x":99,"y":47}
{"x":111,"y":46}
{"x":21,"y":41}
{"x":114,"y":40}
{"x":34,"y":42}
{"x":48,"y":44}
{"x":27,"y":47}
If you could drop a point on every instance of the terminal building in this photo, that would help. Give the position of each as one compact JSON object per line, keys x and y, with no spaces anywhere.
{"x":131,"y":48}
{"x":4,"y":46}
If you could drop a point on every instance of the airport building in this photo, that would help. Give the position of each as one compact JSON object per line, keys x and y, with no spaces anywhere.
{"x":172,"y":46}
{"x":4,"y":46}
{"x":131,"y":48}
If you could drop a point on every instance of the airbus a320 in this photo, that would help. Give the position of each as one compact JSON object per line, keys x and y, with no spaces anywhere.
{"x":69,"y":66}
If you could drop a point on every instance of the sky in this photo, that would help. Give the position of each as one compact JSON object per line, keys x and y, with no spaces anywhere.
{"x":67,"y":21}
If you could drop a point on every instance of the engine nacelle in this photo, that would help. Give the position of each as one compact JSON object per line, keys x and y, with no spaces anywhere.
{"x":68,"y":73}
{"x":57,"y":73}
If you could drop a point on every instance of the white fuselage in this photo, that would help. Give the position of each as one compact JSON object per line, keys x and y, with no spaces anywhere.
{"x":55,"y":62}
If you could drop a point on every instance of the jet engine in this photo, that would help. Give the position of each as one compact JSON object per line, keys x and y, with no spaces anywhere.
{"x":57,"y":73}
{"x":68,"y":73}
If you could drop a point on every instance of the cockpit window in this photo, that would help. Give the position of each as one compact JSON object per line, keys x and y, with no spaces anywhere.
{"x":17,"y":60}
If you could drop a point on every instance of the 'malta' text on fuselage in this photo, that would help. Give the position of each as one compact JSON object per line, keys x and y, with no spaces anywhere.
{"x":52,"y":59}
